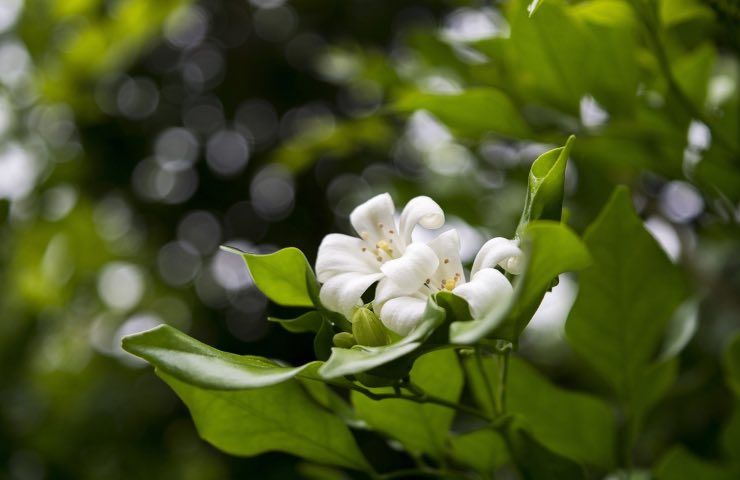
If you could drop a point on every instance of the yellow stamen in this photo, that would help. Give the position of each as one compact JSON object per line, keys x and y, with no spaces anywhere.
{"x":449,"y":284}
{"x":385,"y":246}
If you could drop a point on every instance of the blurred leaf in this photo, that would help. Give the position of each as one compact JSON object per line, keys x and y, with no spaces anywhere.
{"x":342,"y":140}
{"x":421,"y":428}
{"x":285,"y":276}
{"x":471,"y":113}
{"x":308,"y":322}
{"x":680,"y":464}
{"x":732,"y":364}
{"x":349,"y":361}
{"x":483,"y":450}
{"x":281,"y":417}
{"x":681,"y":329}
{"x":674,"y":12}
{"x":731,"y":435}
{"x":625,"y":299}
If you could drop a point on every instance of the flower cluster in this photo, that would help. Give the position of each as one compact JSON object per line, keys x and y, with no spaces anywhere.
{"x":407,"y":272}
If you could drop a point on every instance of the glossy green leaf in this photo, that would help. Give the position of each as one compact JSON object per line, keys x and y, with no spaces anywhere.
{"x":285,"y":276}
{"x":680,"y":464}
{"x":482,"y":450}
{"x":280,"y":417}
{"x":546,"y":186}
{"x":583,"y":429}
{"x":471,"y":113}
{"x":551,"y":249}
{"x":196,"y":363}
{"x":349,"y":361}
{"x":308,"y":322}
{"x":421,"y":428}
{"x":625,"y":300}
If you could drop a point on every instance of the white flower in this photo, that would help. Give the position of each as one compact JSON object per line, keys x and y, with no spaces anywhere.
{"x":347,"y":266}
{"x":428,"y":268}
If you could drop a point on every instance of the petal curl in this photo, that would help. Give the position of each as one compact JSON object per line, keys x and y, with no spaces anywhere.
{"x":343,"y":254}
{"x":343,"y":292}
{"x":410,"y":270}
{"x":498,"y":251}
{"x":373,"y":220}
{"x":422,"y":211}
{"x":486,"y":292}
{"x":402,"y":314}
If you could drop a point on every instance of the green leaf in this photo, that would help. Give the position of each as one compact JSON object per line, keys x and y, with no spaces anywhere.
{"x":583,"y":429}
{"x":625,"y":301}
{"x":482,"y":450}
{"x":285,"y":276}
{"x":551,"y":249}
{"x":281,"y":417}
{"x":471,"y":113}
{"x":680,"y":464}
{"x":421,"y":428}
{"x":546,"y":186}
{"x":350,"y":361}
{"x":196,"y":363}
{"x":308,"y":322}
{"x":680,"y":330}
{"x":536,"y":461}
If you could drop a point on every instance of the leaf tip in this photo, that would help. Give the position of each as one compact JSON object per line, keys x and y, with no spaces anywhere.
{"x":230,"y":249}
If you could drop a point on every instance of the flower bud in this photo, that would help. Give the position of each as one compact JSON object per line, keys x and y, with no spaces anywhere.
{"x":344,"y":340}
{"x":367,"y":328}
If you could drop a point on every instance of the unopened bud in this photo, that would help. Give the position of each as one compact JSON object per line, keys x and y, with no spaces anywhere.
{"x":344,"y":340}
{"x":368,"y":329}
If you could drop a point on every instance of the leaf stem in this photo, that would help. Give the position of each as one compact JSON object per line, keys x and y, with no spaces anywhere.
{"x":503,"y":379}
{"x":419,"y":396}
{"x":489,"y":388}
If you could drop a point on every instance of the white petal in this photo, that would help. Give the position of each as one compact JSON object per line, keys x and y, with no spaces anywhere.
{"x":402,"y":314}
{"x":410,"y":271}
{"x":373,"y":220}
{"x":342,"y":292}
{"x":487,"y":291}
{"x":497,"y":251}
{"x":420,"y":210}
{"x":447,"y":248}
{"x":343,"y":254}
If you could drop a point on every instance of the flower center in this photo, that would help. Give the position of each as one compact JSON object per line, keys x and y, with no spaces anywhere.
{"x":450,"y":283}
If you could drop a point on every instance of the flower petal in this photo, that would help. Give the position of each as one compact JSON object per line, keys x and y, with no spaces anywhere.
{"x":498,"y":251}
{"x":373,"y":220}
{"x":402,"y":314}
{"x":343,"y":254}
{"x":486,"y":292}
{"x":447,"y":248}
{"x":420,"y":210}
{"x":343,"y":292}
{"x":410,"y":271}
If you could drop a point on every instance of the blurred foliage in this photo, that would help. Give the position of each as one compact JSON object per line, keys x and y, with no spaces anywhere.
{"x":136,"y":136}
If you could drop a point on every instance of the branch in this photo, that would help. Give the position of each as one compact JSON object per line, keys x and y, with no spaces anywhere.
{"x":420,"y":396}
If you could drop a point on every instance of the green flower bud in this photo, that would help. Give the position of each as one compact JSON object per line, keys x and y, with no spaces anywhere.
{"x":344,"y":340}
{"x":367,"y":328}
